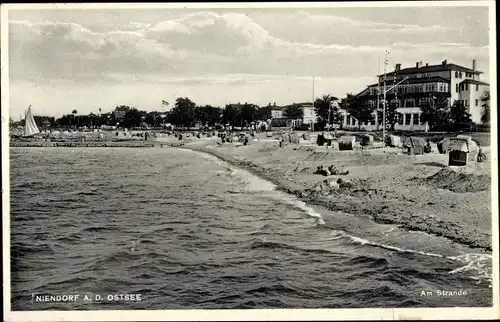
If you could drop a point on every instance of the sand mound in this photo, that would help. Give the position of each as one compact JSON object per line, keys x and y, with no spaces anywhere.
{"x":336,"y":186}
{"x":452,"y":180}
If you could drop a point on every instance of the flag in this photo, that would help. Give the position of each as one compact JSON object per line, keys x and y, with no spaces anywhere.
{"x":164,"y":102}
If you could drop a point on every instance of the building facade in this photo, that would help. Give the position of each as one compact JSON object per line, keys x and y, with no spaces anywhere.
{"x":277,"y":112}
{"x":309,"y":114}
{"x":409,"y":88}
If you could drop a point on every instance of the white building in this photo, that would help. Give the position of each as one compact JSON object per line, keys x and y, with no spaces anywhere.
{"x":419,"y":84}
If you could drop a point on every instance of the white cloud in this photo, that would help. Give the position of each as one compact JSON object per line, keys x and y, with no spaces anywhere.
{"x":203,"y":43}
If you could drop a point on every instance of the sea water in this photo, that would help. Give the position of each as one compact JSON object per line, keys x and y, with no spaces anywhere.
{"x":185,"y":230}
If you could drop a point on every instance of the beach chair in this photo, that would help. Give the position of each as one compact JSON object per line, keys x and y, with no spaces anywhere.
{"x":459,"y":150}
{"x":320,"y":140}
{"x":293,"y":138}
{"x":366,"y":140}
{"x":347,"y":143}
{"x":414,"y":145}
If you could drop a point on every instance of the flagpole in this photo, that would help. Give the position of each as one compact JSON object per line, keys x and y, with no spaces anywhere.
{"x":313,"y":105}
{"x":378,"y":90}
{"x":384,"y":102}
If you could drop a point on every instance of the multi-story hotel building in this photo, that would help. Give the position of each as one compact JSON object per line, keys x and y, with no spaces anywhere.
{"x":419,"y":84}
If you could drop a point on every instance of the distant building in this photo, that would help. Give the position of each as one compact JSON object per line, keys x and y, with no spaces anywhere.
{"x":45,"y":123}
{"x":277,"y":112}
{"x":120,"y":112}
{"x":309,"y":114}
{"x":420,"y":84}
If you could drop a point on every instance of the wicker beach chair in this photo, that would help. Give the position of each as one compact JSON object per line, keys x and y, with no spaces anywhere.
{"x":347,"y":143}
{"x":459,"y":150}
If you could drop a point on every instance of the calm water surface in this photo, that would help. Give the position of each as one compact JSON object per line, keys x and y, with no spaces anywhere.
{"x":186,"y":230}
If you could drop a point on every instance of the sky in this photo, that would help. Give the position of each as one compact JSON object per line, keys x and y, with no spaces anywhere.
{"x":86,"y":59}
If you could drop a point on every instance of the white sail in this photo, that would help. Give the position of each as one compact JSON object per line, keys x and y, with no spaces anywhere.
{"x":30,"y":127}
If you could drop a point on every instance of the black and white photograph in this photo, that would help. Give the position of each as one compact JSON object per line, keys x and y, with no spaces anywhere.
{"x":293,"y":161}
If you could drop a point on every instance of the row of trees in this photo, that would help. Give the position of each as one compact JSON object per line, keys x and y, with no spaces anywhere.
{"x":436,"y":112}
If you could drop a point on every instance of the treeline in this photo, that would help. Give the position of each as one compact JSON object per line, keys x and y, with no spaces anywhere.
{"x":186,"y":113}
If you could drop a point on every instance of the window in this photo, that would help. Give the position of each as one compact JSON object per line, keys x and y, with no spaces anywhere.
{"x":408,"y":119}
{"x":400,"y":119}
{"x":477,"y":87}
{"x":460,"y":75}
{"x":409,"y":102}
{"x":441,"y":89}
{"x":416,"y":119}
{"x":456,"y":87}
{"x":395,"y":102}
{"x":466,"y":102}
{"x":456,"y":74}
{"x":348,"y":120}
{"x":477,"y":102}
{"x":466,"y":86}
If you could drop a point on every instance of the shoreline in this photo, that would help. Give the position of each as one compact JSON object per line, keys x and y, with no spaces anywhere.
{"x":384,"y":210}
{"x":403,"y":199}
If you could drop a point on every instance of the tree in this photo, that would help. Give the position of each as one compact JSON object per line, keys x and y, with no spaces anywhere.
{"x":322,"y":106}
{"x":294,"y":112}
{"x":485,"y":117}
{"x":184,"y":112}
{"x":232,"y":114}
{"x":133,"y":118}
{"x":248,"y":113}
{"x":264,"y":113}
{"x":358,"y":109}
{"x":208,"y":115}
{"x":435,"y":112}
{"x":459,"y":117}
{"x":74,"y":114}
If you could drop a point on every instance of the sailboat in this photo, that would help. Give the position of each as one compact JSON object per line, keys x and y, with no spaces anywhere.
{"x":30,"y":127}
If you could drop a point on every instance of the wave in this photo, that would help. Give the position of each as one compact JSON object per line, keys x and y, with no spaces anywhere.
{"x":292,"y":200}
{"x":477,"y":264}
{"x":263,"y":244}
{"x":96,"y":229}
{"x":254,"y":183}
{"x":22,"y":249}
{"x":479,"y":267}
{"x":368,"y":261}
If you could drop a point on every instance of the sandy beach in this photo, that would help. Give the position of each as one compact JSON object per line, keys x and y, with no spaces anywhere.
{"x":415,"y":193}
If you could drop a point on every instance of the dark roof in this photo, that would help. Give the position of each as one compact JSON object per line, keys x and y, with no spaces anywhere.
{"x":420,"y":80}
{"x":433,"y":68}
{"x":473,"y":81}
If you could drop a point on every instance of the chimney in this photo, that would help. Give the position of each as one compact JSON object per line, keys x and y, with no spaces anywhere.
{"x":473,"y":64}
{"x":426,"y":64}
{"x":445,"y":62}
{"x":419,"y":64}
{"x":398,"y":67}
